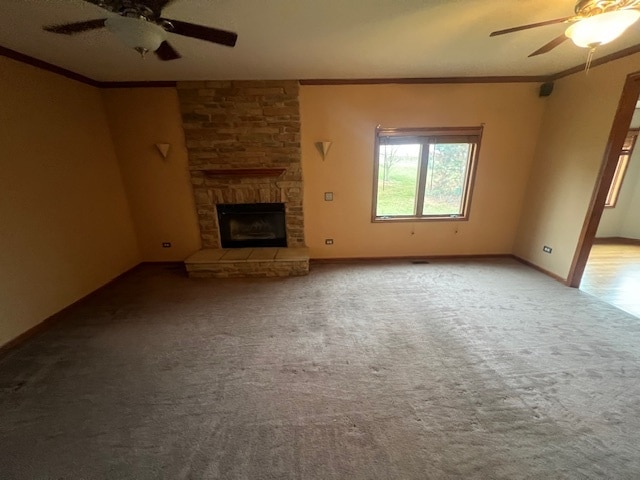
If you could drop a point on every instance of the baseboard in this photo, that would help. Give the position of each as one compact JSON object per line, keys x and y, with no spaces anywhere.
{"x":616,"y":241}
{"x":177,"y":264}
{"x":52,"y":319}
{"x":33,"y":331}
{"x":540,"y":269}
{"x":320,"y":261}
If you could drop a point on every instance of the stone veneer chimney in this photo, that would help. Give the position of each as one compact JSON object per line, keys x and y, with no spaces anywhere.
{"x":243,"y":139}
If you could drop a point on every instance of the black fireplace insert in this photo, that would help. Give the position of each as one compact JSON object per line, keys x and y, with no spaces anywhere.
{"x":252,"y":225}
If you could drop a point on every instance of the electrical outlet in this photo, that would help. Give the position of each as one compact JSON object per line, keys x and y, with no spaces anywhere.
{"x":546,"y":249}
{"x":328,"y":196}
{"x":166,"y":244}
{"x":328,"y":241}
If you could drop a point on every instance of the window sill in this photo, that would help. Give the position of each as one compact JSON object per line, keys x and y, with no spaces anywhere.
{"x":452,"y":218}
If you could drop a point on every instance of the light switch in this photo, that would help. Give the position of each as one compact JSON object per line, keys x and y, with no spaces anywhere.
{"x":328,"y":196}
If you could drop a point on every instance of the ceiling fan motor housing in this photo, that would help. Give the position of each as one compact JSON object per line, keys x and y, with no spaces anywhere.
{"x":588,"y":8}
{"x":129,"y":8}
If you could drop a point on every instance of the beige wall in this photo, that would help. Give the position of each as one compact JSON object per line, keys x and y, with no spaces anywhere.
{"x":570,"y":149}
{"x":630,"y":227}
{"x":159,"y":190}
{"x":65,"y":227}
{"x":348,"y":115}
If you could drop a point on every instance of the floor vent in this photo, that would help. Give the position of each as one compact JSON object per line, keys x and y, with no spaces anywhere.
{"x":419,"y":262}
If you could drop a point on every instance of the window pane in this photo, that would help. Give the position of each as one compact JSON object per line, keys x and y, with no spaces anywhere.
{"x":621,"y":168}
{"x":397,"y":179}
{"x":446,"y":175}
{"x":616,"y":183}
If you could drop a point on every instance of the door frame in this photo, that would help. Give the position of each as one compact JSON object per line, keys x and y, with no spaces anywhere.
{"x":619,"y":130}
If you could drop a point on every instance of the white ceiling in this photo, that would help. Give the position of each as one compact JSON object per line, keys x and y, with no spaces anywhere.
{"x":312,"y":39}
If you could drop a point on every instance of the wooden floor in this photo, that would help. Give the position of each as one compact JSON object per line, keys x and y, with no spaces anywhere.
{"x":613,"y":275}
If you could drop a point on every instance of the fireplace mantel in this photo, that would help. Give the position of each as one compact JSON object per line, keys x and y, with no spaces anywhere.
{"x":241,"y":172}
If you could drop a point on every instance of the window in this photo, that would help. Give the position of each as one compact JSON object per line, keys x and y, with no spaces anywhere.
{"x":424,"y":174}
{"x":621,"y":168}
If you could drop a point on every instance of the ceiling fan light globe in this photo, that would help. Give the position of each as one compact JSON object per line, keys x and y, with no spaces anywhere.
{"x":600,"y":29}
{"x":137,"y":33}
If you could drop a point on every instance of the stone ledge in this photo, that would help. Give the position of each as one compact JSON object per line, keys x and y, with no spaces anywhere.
{"x":248,"y":262}
{"x":240,"y":172}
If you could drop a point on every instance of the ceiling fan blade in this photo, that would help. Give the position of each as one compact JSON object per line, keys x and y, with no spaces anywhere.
{"x":77,"y":27}
{"x":208,"y":34}
{"x":531,"y":25}
{"x":166,"y":52}
{"x":551,"y":45}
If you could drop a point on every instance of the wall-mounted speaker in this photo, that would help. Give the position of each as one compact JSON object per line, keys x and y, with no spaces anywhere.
{"x":546,"y":89}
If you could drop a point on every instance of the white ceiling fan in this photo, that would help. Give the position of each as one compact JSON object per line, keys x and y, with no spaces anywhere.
{"x":140,"y":25}
{"x":595,"y":23}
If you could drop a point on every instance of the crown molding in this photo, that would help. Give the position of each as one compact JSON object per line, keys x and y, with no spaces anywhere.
{"x":21,"y":57}
{"x":427,"y":80}
{"x":49,"y":67}
{"x":597,"y":62}
{"x":140,"y":84}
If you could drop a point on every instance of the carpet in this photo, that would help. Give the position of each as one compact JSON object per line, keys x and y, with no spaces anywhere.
{"x":385,"y":370}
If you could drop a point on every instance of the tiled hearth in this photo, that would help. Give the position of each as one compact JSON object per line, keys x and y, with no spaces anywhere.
{"x":248,"y":262}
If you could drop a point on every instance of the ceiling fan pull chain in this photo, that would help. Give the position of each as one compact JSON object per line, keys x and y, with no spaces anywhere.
{"x":587,"y":65}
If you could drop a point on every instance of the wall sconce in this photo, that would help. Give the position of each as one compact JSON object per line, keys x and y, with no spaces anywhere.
{"x":323,"y":148}
{"x":163,"y":148}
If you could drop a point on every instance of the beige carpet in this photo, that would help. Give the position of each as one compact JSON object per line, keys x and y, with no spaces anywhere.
{"x":479,"y":369}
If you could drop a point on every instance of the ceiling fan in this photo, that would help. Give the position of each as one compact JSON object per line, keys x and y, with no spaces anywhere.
{"x":595,"y":23}
{"x":141,"y":26}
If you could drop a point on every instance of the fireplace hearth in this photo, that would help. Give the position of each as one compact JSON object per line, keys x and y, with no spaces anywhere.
{"x":252,"y":225}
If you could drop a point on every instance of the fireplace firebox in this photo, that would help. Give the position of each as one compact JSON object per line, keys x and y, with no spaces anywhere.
{"x":252,"y":225}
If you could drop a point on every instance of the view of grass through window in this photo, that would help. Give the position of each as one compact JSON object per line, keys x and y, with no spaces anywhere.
{"x":399,"y":174}
{"x":398,"y":179}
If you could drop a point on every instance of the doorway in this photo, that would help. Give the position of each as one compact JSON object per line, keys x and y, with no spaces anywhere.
{"x":607,"y":263}
{"x":613,"y":273}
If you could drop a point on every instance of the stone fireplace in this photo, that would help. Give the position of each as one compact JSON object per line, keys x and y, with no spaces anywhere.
{"x":243,"y":141}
